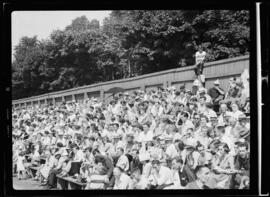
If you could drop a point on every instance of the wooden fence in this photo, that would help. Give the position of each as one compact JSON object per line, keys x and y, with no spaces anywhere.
{"x":222,"y":70}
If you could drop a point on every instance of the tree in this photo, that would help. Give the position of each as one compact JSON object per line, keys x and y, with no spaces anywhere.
{"x":130,"y":43}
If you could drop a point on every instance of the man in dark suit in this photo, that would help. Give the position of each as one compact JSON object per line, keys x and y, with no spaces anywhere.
{"x":185,"y":173}
{"x":217,"y":94}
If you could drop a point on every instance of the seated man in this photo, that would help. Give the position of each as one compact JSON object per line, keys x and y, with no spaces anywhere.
{"x":181,"y":174}
{"x":54,"y":171}
{"x":108,"y":164}
{"x":65,"y":172}
{"x":204,"y":179}
{"x":122,"y":181}
{"x":161,"y":176}
{"x":122,"y":161}
{"x":98,"y":179}
{"x":242,"y":163}
{"x":137,"y":180}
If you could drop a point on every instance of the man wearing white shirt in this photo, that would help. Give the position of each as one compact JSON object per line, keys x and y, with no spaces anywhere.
{"x":201,"y":105}
{"x":138,"y":181}
{"x":116,"y":109}
{"x":235,"y":111}
{"x":225,"y":137}
{"x":122,"y":161}
{"x":146,"y":134}
{"x":161,"y":176}
{"x":171,"y":150}
{"x":202,"y":92}
{"x":223,"y":114}
{"x":200,"y":57}
{"x":186,"y":123}
{"x":209,"y":112}
{"x":79,"y":156}
{"x":46,"y":139}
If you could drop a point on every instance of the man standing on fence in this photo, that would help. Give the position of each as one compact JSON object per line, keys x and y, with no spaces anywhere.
{"x":200,"y":57}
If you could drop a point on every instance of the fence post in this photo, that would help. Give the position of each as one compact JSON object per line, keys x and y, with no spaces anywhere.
{"x":85,"y":95}
{"x":53,"y":101}
{"x":102,"y":94}
{"x":143,"y":87}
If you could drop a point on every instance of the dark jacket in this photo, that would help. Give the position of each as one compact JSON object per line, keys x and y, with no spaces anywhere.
{"x":186,"y":176}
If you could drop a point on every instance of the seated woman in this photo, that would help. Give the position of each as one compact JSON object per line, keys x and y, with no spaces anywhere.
{"x":48,"y":154}
{"x":223,"y":166}
{"x":137,"y":180}
{"x":65,"y":171}
{"x":34,"y":160}
{"x":97,"y":179}
{"x":121,"y":181}
{"x":51,"y":162}
{"x":161,"y":177}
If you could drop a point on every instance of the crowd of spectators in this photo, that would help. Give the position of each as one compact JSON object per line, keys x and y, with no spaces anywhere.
{"x":162,"y":139}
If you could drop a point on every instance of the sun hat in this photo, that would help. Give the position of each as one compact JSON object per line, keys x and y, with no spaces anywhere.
{"x":216,"y":82}
{"x":144,"y":156}
{"x":196,"y":83}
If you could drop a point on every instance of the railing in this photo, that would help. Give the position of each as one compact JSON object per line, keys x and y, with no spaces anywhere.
{"x":222,"y":70}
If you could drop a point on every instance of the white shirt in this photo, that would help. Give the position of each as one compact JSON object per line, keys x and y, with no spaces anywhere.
{"x":146,"y":170}
{"x":116,"y":110}
{"x":123,"y":182}
{"x":47,"y":141}
{"x":164,"y":176}
{"x":186,"y":125}
{"x":221,"y":117}
{"x":79,"y":156}
{"x":145,"y":137}
{"x":236,"y":114}
{"x":210,"y":113}
{"x":200,"y":56}
{"x":123,"y":162}
{"x":171,"y":151}
{"x":176,"y":181}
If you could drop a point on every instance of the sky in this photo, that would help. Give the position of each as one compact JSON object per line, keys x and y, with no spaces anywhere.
{"x":42,"y":23}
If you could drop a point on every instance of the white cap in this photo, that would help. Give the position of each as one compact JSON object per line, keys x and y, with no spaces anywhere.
{"x":196,"y":83}
{"x":217,"y":82}
{"x":144,"y":156}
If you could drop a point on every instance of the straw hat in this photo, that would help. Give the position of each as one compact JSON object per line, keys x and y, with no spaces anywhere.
{"x":196,"y":83}
{"x":216,"y":82}
{"x":144,"y":156}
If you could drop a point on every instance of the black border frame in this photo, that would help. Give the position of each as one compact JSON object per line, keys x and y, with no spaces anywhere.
{"x":265,"y":55}
{"x":107,"y":5}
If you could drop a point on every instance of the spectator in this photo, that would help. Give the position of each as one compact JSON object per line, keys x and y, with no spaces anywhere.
{"x":161,"y":176}
{"x":122,"y":181}
{"x":200,"y":57}
{"x":160,"y":138}
{"x":204,"y":179}
{"x":217,"y":94}
{"x":182,"y":173}
{"x":122,"y":161}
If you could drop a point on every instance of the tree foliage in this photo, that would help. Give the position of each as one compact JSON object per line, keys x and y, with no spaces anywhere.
{"x":129,"y":43}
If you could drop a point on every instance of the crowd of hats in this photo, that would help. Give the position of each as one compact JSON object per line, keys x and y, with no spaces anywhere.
{"x":135,"y":120}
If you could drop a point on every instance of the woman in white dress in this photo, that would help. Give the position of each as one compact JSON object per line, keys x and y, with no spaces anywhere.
{"x":51,"y":162}
{"x":20,"y":165}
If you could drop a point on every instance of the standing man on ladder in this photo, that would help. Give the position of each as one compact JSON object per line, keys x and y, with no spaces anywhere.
{"x":200,"y":57}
